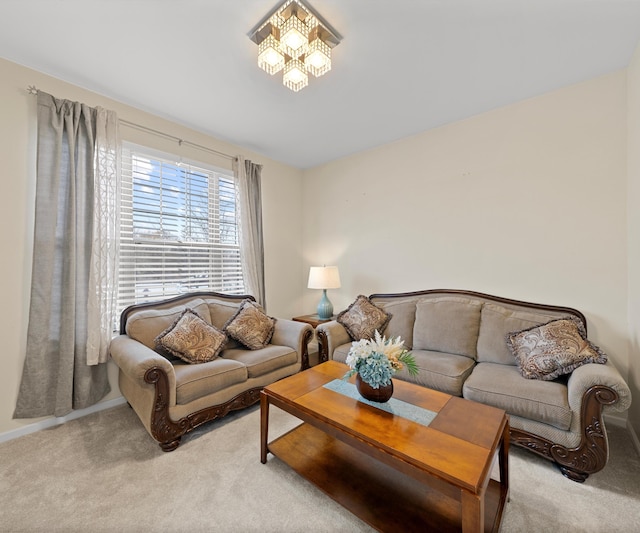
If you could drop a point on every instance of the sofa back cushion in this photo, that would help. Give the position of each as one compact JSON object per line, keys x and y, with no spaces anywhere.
{"x":221,"y":312}
{"x":403,"y":316}
{"x":496,"y":322}
{"x":447,"y":324}
{"x":145,"y":325}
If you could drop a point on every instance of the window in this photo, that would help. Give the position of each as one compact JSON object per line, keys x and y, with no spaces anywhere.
{"x":179,"y":228}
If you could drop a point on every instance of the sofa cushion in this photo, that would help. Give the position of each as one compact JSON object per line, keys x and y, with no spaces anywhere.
{"x":196,"y":381}
{"x":192,"y":339}
{"x":263,"y":361}
{"x":362,"y":318}
{"x":496,"y":322}
{"x":445,"y":372}
{"x":251,"y":326}
{"x":447,"y":324}
{"x":221,"y":311}
{"x":145,"y":325}
{"x":502,"y":386}
{"x":553,"y":349}
{"x":403,"y":316}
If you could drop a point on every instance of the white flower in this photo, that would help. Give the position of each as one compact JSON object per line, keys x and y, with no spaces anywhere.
{"x":373,"y":356}
{"x":359,"y":350}
{"x":362,"y":349}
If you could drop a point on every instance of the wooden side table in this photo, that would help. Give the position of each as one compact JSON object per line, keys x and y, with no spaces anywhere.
{"x":314,"y":321}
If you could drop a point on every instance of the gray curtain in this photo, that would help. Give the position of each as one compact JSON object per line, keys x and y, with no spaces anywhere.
{"x":248,"y":176}
{"x":56,"y":377}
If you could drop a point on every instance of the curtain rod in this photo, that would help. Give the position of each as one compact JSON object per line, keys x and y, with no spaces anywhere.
{"x":174,"y":138}
{"x":32,"y":89}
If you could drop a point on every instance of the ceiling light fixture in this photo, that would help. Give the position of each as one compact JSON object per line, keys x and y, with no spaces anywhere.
{"x":294,"y":39}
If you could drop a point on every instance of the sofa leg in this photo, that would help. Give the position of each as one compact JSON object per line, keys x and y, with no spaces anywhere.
{"x":170,"y":446}
{"x":573,"y":475}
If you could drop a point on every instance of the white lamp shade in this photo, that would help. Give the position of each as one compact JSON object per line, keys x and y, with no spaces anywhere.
{"x":324,"y":277}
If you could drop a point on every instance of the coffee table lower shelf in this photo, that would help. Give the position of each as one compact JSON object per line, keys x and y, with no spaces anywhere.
{"x":382,"y":497}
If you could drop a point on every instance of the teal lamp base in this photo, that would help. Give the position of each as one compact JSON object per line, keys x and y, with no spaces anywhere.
{"x":325,"y":307}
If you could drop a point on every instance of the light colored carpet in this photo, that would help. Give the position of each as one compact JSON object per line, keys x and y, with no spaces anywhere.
{"x":103,"y":473}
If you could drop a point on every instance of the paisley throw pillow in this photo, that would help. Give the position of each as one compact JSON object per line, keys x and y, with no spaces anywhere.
{"x":192,"y":339}
{"x":362,"y":318}
{"x":251,"y":326}
{"x":553,"y":349}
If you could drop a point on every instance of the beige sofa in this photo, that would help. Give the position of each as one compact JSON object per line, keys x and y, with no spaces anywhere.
{"x":458,"y":341}
{"x":172,"y":397}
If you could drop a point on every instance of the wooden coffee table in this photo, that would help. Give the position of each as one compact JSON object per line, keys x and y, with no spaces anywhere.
{"x":425,"y":466}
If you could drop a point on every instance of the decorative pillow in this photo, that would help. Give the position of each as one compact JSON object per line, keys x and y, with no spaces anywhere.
{"x":552,"y":349}
{"x":251,"y":326}
{"x":145,"y":325}
{"x":362,"y":318}
{"x":192,"y":339}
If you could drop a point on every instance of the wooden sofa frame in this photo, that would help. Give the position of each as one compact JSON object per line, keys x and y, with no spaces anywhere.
{"x":165,"y":430}
{"x":577,"y":463}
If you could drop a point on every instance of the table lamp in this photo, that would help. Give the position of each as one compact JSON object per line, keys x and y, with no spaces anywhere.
{"x":324,"y":277}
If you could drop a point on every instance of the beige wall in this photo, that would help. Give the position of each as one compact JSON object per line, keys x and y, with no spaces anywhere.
{"x":282,"y":190}
{"x":527,"y":201}
{"x":633,"y":170}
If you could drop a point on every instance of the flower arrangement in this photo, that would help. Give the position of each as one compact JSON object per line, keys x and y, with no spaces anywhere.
{"x":378,"y":359}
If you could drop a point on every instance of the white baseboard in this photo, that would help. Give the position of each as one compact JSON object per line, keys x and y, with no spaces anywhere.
{"x":56,"y":421}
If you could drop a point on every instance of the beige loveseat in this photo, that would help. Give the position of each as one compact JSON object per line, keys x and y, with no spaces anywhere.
{"x":172,"y":397}
{"x":458,"y":339}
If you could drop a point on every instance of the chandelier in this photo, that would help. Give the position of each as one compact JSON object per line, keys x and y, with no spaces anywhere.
{"x":294,"y":39}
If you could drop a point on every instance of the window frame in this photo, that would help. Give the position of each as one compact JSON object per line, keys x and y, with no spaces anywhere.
{"x":223,"y":271}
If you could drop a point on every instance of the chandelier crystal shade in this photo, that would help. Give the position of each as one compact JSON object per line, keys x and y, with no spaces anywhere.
{"x":270,"y":58}
{"x":317,"y":60}
{"x":295,"y":75}
{"x":294,"y":39}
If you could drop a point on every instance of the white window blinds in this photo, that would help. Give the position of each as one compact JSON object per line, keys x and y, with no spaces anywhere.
{"x":179,"y":229}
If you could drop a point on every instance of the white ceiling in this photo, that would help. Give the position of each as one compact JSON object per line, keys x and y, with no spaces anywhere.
{"x":404,"y":66}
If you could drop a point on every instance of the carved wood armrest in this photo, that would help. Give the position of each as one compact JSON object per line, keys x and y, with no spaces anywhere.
{"x":591,"y":454}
